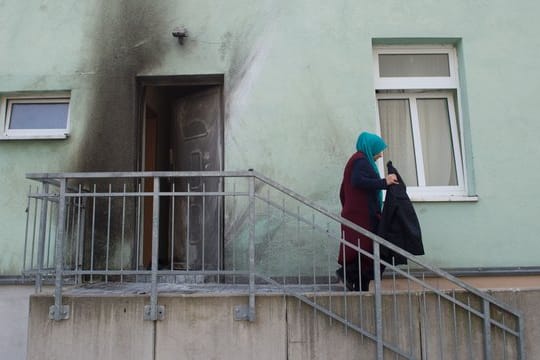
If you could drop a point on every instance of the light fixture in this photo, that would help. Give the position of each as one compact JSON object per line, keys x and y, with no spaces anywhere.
{"x":181,"y":33}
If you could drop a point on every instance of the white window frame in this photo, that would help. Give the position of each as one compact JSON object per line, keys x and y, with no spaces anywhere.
{"x":422,"y":188}
{"x":412,"y":88}
{"x":6,"y":103}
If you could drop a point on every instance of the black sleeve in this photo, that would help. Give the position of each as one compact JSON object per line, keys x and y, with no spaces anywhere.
{"x":364,"y":176}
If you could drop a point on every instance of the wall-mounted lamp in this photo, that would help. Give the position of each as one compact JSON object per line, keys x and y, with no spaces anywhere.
{"x":180,"y":33}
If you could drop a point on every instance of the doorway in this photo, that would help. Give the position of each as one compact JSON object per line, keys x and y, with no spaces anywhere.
{"x":182,"y":130}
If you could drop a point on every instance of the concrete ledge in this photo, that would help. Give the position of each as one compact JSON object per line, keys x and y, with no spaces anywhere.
{"x":202,"y":326}
{"x":98,"y":328}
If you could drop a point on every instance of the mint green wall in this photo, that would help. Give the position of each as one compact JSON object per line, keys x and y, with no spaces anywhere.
{"x":298,"y":90}
{"x":40,"y":49}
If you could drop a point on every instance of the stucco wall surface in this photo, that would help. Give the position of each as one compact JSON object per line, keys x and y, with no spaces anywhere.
{"x":298,"y":89}
{"x":14,"y":301}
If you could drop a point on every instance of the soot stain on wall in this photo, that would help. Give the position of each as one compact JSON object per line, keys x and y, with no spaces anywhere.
{"x":124,"y":46}
{"x":242,"y":46}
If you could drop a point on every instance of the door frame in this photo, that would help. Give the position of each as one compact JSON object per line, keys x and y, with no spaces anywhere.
{"x":141,"y":83}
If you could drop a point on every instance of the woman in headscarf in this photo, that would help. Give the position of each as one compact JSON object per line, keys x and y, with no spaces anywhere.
{"x":361,"y":201}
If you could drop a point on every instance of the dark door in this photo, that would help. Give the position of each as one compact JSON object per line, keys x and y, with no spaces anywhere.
{"x":196,"y":146}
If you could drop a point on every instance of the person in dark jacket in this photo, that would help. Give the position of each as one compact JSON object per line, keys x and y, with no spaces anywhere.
{"x":399,"y":223}
{"x":361,"y":201}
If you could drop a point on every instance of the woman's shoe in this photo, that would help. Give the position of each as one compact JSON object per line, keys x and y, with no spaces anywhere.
{"x":348,"y":284}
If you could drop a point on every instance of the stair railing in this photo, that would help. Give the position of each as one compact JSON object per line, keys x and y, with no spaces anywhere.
{"x":479,"y":325}
{"x":90,"y":227}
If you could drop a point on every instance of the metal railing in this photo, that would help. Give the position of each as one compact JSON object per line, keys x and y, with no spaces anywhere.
{"x":243,"y":229}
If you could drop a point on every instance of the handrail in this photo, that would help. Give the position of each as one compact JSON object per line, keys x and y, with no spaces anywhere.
{"x":137,"y":174}
{"x":382,"y":242}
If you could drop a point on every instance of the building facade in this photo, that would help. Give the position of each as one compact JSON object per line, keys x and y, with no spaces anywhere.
{"x":286,"y":87}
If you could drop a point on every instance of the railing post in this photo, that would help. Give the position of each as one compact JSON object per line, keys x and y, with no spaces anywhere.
{"x":41,"y":239}
{"x":487,"y":331}
{"x":378,"y":299}
{"x":251,"y":315}
{"x":521,"y":340}
{"x":79,"y":246}
{"x":59,"y":311}
{"x":153,"y":311}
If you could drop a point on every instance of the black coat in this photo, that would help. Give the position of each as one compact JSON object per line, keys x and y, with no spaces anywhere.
{"x":399,"y":223}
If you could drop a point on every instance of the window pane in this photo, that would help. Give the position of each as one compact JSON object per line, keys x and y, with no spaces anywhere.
{"x":38,"y":116}
{"x":438,"y":153}
{"x":404,"y":65}
{"x":396,"y":130}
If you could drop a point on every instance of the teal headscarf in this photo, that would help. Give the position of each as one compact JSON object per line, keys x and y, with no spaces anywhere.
{"x":370,"y":145}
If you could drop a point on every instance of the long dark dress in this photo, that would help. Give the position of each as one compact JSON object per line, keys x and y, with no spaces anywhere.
{"x":360,"y":204}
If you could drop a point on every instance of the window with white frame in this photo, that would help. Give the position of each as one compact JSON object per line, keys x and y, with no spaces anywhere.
{"x":35,"y":116}
{"x":417,"y":91}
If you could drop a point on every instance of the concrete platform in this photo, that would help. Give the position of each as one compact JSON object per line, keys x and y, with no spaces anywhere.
{"x":106,"y":322}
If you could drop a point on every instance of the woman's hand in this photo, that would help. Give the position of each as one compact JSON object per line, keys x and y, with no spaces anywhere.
{"x":391,"y":179}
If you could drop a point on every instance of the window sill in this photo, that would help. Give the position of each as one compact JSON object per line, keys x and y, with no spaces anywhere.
{"x":34,"y":137}
{"x":443,"y":198}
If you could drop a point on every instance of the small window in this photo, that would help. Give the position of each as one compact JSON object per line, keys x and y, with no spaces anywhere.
{"x":409,"y":65}
{"x":416,"y":90}
{"x":34,"y":117}
{"x":415,"y":68}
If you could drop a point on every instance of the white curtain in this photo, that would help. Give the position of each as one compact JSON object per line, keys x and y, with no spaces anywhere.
{"x":438,"y":155}
{"x":396,"y":130}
